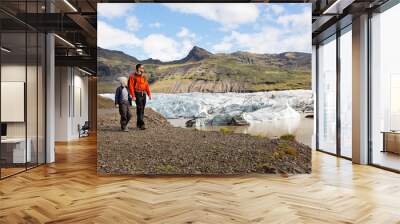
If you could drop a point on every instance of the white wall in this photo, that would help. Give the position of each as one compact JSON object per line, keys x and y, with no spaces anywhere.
{"x":61,"y":103}
{"x":80,"y":89}
{"x":70,"y":83}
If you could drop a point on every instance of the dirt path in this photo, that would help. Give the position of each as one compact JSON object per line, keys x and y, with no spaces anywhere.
{"x":164,"y":149}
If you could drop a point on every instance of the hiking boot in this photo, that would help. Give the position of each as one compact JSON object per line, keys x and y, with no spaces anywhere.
{"x":142,"y":127}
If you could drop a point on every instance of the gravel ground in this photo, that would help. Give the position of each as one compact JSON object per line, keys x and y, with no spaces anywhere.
{"x":162,"y":149}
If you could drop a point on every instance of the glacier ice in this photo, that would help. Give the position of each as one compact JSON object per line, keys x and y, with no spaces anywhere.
{"x":218,"y":108}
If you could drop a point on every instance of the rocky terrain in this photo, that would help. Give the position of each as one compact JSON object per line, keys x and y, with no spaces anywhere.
{"x":165,"y":150}
{"x":186,"y":86}
{"x":202,"y":71}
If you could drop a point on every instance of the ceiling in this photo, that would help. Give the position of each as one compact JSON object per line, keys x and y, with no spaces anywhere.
{"x":331,"y":15}
{"x":75,"y":21}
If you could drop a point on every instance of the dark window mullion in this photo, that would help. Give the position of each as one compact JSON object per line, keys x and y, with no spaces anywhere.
{"x":37,"y":91}
{"x":369,"y":90}
{"x":338,"y":76}
{"x":26,"y":87}
{"x":316,"y":110}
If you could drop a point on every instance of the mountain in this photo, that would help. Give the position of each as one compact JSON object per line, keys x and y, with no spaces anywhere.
{"x":196,"y":54}
{"x":152,"y":61}
{"x":112,"y":63}
{"x":115,"y":55}
{"x":202,"y":71}
{"x":287,"y":60}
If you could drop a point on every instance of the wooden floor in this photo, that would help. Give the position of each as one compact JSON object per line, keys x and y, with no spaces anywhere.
{"x":387,"y":159}
{"x":69,"y":191}
{"x":5,"y":172}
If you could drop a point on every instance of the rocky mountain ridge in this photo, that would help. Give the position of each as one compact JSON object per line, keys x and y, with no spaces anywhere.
{"x":202,"y":71}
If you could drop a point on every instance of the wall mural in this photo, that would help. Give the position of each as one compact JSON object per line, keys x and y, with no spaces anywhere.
{"x":204,"y":89}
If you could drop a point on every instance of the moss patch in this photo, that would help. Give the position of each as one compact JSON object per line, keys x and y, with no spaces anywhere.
{"x":288,"y":137}
{"x":225,"y":130}
{"x":167,"y":169}
{"x":287,"y":149}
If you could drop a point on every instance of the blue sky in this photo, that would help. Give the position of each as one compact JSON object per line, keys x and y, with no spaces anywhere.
{"x":168,"y":31}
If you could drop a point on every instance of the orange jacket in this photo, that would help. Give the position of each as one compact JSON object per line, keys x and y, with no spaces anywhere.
{"x":137,"y":83}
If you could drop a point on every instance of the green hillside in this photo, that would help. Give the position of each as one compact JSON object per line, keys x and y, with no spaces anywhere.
{"x":205,"y":72}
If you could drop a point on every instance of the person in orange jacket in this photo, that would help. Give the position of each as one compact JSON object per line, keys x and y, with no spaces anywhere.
{"x":138,"y":88}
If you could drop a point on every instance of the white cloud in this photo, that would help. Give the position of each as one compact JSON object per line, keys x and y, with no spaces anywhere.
{"x":229,"y":15}
{"x":132,"y":23}
{"x":155,"y":25}
{"x":113,"y":38}
{"x":293,"y":33}
{"x":164,"y":48}
{"x":274,"y":9}
{"x":302,"y":19}
{"x":224,"y":46}
{"x":269,"y":40}
{"x":161,"y":47}
{"x":187,"y":45}
{"x":185,"y":33}
{"x":113,"y":10}
{"x":157,"y":46}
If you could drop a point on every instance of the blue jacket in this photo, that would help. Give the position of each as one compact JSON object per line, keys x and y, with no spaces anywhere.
{"x":118,"y":95}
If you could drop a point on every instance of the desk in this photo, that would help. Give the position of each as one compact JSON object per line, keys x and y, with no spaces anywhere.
{"x":391,"y":141}
{"x":17,"y":150}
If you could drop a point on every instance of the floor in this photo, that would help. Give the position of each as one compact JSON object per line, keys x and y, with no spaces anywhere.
{"x":10,"y":171}
{"x":69,"y":191}
{"x":387,"y":159}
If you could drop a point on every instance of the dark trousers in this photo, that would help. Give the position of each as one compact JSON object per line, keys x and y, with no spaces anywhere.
{"x":125,"y":114}
{"x":140,"y":104}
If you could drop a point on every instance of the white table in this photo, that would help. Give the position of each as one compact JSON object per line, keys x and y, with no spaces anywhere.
{"x":19,"y":155}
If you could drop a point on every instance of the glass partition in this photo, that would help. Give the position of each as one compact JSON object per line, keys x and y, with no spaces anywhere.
{"x":346,"y":93}
{"x":41,"y":97}
{"x":22,"y":77}
{"x":31,"y":97}
{"x":14,"y":153}
{"x":385,"y":89}
{"x":327,"y":96}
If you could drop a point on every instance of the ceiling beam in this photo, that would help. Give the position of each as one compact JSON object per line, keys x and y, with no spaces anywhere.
{"x":49,"y":22}
{"x":337,"y":7}
{"x":85,"y":25}
{"x":77,"y":61}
